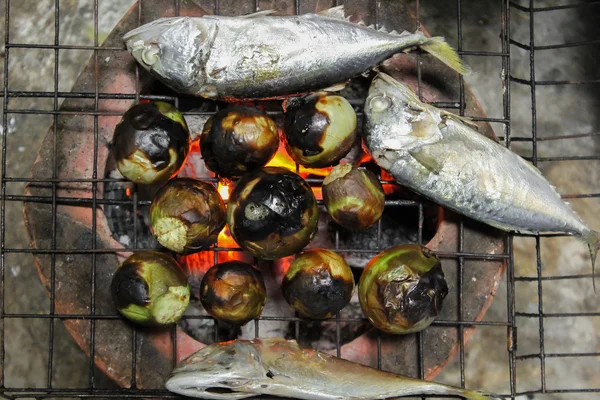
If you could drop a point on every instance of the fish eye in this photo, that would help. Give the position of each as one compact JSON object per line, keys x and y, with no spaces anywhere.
{"x":150,"y":54}
{"x":380,"y":103}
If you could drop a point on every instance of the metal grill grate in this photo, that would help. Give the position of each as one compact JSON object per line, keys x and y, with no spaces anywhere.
{"x":461,"y":324}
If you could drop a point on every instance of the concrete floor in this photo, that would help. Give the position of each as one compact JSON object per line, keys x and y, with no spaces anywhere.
{"x":560,"y":110}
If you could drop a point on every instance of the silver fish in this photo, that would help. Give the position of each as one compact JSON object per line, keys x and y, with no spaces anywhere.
{"x":261,"y":56}
{"x":442,"y":157}
{"x":240,"y":369}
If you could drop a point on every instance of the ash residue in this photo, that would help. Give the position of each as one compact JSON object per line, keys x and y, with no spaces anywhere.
{"x":124,"y":224}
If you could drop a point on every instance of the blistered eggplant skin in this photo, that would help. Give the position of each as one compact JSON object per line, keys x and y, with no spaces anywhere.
{"x":187,"y":215}
{"x":401,"y":290}
{"x":238,"y":139}
{"x":320,"y":129}
{"x":151,"y":142}
{"x":233,"y":292}
{"x":353,"y":197}
{"x":150,"y":288}
{"x":272,"y":213}
{"x":318,"y":284}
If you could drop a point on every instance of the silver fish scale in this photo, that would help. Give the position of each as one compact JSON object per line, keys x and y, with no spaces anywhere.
{"x":455,"y":166}
{"x":250,"y":57}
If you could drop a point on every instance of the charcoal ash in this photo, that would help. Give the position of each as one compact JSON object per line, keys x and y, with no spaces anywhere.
{"x":203,"y":329}
{"x":122,"y":219}
{"x":323,"y":334}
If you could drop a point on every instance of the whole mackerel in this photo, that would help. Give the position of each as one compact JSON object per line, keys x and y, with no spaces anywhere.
{"x":442,"y":157}
{"x":260,"y":56}
{"x":240,"y":369}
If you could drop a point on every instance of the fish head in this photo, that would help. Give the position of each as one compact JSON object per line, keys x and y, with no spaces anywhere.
{"x":174,"y":50}
{"x":395,"y":119}
{"x":220,"y":371}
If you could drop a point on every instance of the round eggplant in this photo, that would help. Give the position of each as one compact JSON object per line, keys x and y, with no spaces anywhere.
{"x":353,"y":197}
{"x":238,"y":139}
{"x":401,"y":290}
{"x":318,"y":284}
{"x":187,"y":215}
{"x":320,"y":129}
{"x":272,"y":213}
{"x":233,"y":292}
{"x":151,"y":142}
{"x":150,"y":288}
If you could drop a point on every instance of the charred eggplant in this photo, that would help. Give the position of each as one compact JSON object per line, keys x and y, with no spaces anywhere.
{"x":272,"y":213}
{"x":402,"y":289}
{"x":233,"y":292}
{"x":320,"y":129}
{"x":318,"y":284}
{"x":187,"y":215}
{"x":151,"y":142}
{"x":150,"y":288}
{"x":238,"y":139}
{"x":353,"y":197}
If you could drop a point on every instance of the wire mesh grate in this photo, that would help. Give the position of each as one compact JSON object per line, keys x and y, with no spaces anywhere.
{"x":462,"y":324}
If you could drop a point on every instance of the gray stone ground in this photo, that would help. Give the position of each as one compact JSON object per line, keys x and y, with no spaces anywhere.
{"x":560,"y":110}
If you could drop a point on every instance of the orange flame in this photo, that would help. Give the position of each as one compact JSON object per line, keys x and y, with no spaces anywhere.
{"x":282,"y":159}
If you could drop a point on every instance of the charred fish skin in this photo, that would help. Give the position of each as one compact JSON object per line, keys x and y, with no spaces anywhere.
{"x":438,"y":155}
{"x":240,"y":369}
{"x":262,"y":56}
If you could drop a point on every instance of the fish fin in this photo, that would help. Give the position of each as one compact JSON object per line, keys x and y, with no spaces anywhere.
{"x":593,"y":241}
{"x":406,"y":91}
{"x":437,"y":47}
{"x":458,"y":118}
{"x":262,"y":13}
{"x":430,"y":163}
{"x":384,"y":30}
{"x":334,"y":12}
{"x":336,"y":88}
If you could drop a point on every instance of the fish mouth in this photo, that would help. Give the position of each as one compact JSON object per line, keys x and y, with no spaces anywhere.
{"x":192,"y":385}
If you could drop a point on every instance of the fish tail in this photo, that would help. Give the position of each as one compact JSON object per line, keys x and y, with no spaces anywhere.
{"x":593,"y":241}
{"x":440,"y":49}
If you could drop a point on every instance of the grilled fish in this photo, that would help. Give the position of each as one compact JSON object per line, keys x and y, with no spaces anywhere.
{"x":260,"y":56}
{"x":442,"y":157}
{"x":240,"y":369}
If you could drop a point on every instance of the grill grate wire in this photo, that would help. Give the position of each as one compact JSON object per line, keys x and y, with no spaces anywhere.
{"x":461,"y":255}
